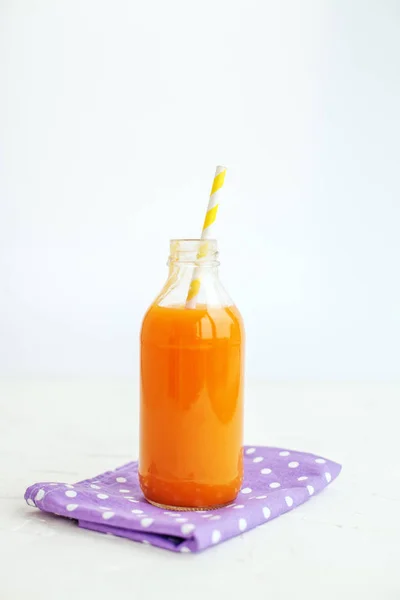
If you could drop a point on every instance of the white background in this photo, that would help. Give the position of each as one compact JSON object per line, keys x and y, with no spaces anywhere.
{"x":113,"y":116}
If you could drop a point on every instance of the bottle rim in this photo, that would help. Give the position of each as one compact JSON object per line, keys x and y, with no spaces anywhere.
{"x":196,"y":251}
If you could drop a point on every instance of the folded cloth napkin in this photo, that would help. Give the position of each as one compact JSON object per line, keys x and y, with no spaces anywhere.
{"x":275,"y":481}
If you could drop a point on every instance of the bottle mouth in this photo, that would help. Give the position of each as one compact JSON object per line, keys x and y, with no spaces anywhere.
{"x":194,"y":251}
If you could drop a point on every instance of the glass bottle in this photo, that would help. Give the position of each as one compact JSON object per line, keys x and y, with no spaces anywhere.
{"x":192,"y":368}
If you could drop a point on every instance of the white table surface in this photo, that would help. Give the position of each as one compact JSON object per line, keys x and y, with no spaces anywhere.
{"x":344,"y":543}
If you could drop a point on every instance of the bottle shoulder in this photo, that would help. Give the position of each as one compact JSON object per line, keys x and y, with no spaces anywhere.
{"x":177,"y":324}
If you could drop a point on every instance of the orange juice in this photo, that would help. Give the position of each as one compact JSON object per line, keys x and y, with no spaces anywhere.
{"x":191,"y":405}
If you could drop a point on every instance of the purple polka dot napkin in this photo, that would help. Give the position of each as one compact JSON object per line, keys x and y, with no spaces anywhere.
{"x":275,"y":481}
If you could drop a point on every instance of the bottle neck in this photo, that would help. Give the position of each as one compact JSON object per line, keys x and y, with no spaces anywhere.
{"x":191,"y":260}
{"x":186,"y":271}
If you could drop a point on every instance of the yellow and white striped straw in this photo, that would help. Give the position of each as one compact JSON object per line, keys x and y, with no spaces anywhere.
{"x":206,"y":233}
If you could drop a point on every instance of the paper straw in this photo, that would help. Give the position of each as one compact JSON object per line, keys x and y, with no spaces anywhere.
{"x":206,"y":233}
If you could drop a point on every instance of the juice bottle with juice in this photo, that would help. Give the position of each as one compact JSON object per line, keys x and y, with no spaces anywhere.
{"x":191,"y":411}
